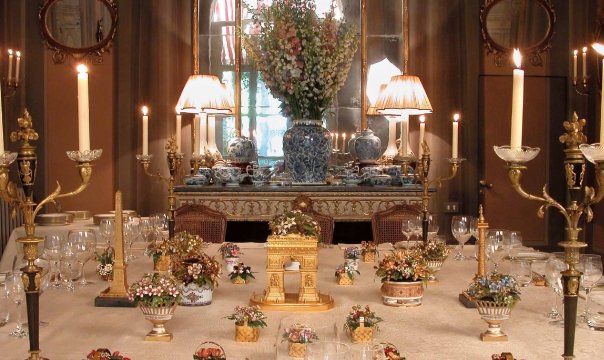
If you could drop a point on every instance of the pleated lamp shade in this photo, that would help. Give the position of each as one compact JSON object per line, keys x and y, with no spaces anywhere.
{"x":403,"y":95}
{"x":204,"y":93}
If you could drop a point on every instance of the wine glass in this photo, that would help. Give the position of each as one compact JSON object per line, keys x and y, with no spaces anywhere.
{"x":591,"y":267}
{"x":68,"y":264}
{"x":85,"y":242}
{"x":131,"y":232}
{"x":461,"y":231}
{"x":4,"y":301}
{"x":553,"y":267}
{"x":160,"y":223}
{"x":17,"y":295}
{"x":52,"y":252}
{"x":523,"y":272}
{"x":512,"y":243}
{"x":416,"y":226}
{"x":146,"y":227}
{"x":496,"y":238}
{"x":368,"y":351}
{"x":408,"y":229}
{"x":433,"y":226}
{"x":327,"y":350}
{"x":107,"y":230}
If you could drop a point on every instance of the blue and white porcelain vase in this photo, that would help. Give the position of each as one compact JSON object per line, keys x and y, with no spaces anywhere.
{"x":307,"y":148}
{"x":367,"y":147}
{"x":241,"y":151}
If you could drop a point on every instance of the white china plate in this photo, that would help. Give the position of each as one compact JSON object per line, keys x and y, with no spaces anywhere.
{"x":530,"y":256}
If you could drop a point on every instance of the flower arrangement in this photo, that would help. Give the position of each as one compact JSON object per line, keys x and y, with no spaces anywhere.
{"x":500,"y":288}
{"x":250,"y":315}
{"x":183,"y":245}
{"x":435,"y":250}
{"x":408,"y":265}
{"x":391,"y":352}
{"x":345,"y":269}
{"x":352,"y":252}
{"x":368,"y":247}
{"x":304,"y":59}
{"x":154,"y":290}
{"x":105,"y":354}
{"x":241,"y":271}
{"x":300,"y":334}
{"x":294,"y":222}
{"x":369,"y":318}
{"x":229,"y":249}
{"x":105,"y":266}
{"x":202,"y":270}
{"x":209,"y":353}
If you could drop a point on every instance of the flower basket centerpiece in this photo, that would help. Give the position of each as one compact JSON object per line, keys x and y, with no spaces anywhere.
{"x":183,"y":245}
{"x":241,"y":274}
{"x":391,"y":352}
{"x":368,"y":250}
{"x":352,"y":254}
{"x":435,"y":252}
{"x":294,"y":222}
{"x":345,"y":274}
{"x":105,"y":265}
{"x":298,"y":336}
{"x":403,"y":274}
{"x":248,"y":321}
{"x":209,"y":350}
{"x":198,"y":276}
{"x":105,"y":354}
{"x":230,"y":253}
{"x":495,"y":295}
{"x":304,"y":60}
{"x":157,"y":296}
{"x":361,"y":323}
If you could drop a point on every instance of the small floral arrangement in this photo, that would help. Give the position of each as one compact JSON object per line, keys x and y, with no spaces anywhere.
{"x":183,"y":245}
{"x":500,"y":288}
{"x":300,"y":334}
{"x":294,"y":222}
{"x":368,"y":247}
{"x":105,"y":266}
{"x":358,"y":313}
{"x":435,"y":250}
{"x":348,"y":270}
{"x":404,"y":265}
{"x":304,"y":59}
{"x":105,"y":354}
{"x":391,"y":352}
{"x":250,"y":315}
{"x":202,"y":270}
{"x":242,"y":271}
{"x":155,"y":290}
{"x":209,"y":353}
{"x":352,"y":252}
{"x":229,"y":249}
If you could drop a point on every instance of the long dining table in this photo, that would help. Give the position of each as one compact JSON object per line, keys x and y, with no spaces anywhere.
{"x":441,"y":328}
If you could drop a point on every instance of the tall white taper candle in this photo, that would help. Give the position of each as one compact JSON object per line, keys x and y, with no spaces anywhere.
{"x":178,"y":130}
{"x":455,"y":140}
{"x":422,"y":133}
{"x":83,"y":109}
{"x":517,"y":103}
{"x":145,"y":111}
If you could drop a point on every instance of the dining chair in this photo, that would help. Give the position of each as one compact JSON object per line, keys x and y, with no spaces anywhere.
{"x":386,"y":225}
{"x":201,"y":220}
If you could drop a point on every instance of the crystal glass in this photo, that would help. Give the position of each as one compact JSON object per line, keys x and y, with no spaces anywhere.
{"x":591,"y":267}
{"x":553,"y":267}
{"x":516,"y":155}
{"x":595,"y":319}
{"x":416,"y":226}
{"x":496,"y":238}
{"x":107,"y":230}
{"x":327,"y":350}
{"x":146,"y":227}
{"x":52,"y":252}
{"x":512,"y":243}
{"x":131,"y":233}
{"x":522,"y":271}
{"x":433,"y":226}
{"x":68,"y":264}
{"x":408,"y":227}
{"x":367,"y":352}
{"x":85,"y":242}
{"x":460,"y":227}
{"x":4,"y":305}
{"x":160,"y":224}
{"x":17,"y":295}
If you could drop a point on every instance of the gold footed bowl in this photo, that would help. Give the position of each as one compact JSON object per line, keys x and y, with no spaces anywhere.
{"x":494,"y":314}
{"x":402,"y":293}
{"x":158,"y":316}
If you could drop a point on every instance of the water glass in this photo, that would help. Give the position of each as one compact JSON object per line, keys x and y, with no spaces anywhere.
{"x":595,"y":318}
{"x":4,"y":305}
{"x":591,"y":267}
{"x":17,"y":295}
{"x":327,"y":350}
{"x":432,"y":226}
{"x":460,"y":227}
{"x":367,"y":352}
{"x":107,"y":230}
{"x":84,"y":241}
{"x":523,"y":272}
{"x":553,"y":267}
{"x":52,"y":252}
{"x":512,"y":243}
{"x":496,"y":238}
{"x":146,"y":227}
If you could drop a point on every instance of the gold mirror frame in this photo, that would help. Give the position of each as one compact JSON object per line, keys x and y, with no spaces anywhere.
{"x":501,"y":53}
{"x":61,"y":51}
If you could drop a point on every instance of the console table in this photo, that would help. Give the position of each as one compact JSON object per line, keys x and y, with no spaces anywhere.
{"x":343,"y":203}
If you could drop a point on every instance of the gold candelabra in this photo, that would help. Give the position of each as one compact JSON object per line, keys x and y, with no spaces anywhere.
{"x":580,"y":200}
{"x":174,"y":161}
{"x":26,"y":168}
{"x":11,"y":83}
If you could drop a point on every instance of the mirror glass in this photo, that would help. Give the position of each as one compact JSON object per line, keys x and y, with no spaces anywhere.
{"x":518,"y":23}
{"x":78,"y":24}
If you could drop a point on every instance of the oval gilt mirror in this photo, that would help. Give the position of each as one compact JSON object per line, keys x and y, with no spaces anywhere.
{"x":78,"y":27}
{"x":524,"y":24}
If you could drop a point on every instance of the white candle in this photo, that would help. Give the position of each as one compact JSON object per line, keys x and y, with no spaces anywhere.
{"x":203,"y":132}
{"x":422,"y":133}
{"x":83,"y":109}
{"x":18,"y":66}
{"x":10,"y":64}
{"x":602,"y":111}
{"x":212,"y":133}
{"x":178,"y":130}
{"x":196,"y":134}
{"x":517,"y":103}
{"x":1,"y":126}
{"x":585,"y":64}
{"x":404,"y":135}
{"x":455,"y":140}
{"x":145,"y":111}
{"x":337,"y":135}
{"x":343,"y":143}
{"x":575,"y":52}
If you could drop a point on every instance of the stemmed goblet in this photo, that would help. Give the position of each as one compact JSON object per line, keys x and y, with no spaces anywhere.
{"x":52,"y":251}
{"x":131,"y":232}
{"x":85,"y":242}
{"x":408,"y":229}
{"x":433,"y":226}
{"x":68,"y":264}
{"x":107,"y":230}
{"x":591,"y":267}
{"x":17,"y":295}
{"x":496,"y":238}
{"x":553,"y":267}
{"x":146,"y":227}
{"x":460,"y":227}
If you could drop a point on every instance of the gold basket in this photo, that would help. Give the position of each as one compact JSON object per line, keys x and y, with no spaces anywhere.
{"x":296,"y":350}
{"x":163,"y":264}
{"x":238,"y":280}
{"x":362,"y":334}
{"x":369,"y":256}
{"x":201,"y":347}
{"x":245,"y":333}
{"x":344,"y":279}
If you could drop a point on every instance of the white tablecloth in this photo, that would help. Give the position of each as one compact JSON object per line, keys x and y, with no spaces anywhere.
{"x":441,"y":328}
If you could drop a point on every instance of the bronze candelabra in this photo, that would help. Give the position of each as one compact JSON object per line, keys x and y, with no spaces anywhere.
{"x":26,"y":168}
{"x":580,"y":200}
{"x":174,"y":161}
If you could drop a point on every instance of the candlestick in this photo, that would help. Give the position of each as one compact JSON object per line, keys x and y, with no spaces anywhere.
{"x":145,"y":110}
{"x":178,"y":130}
{"x":10,"y":65}
{"x":584,"y":63}
{"x":196,"y":134}
{"x":422,"y":132}
{"x":404,"y":135}
{"x":18,"y":66}
{"x":455,"y":140}
{"x":575,"y":52}
{"x":343,"y":143}
{"x":517,"y":103}
{"x":83,"y":109}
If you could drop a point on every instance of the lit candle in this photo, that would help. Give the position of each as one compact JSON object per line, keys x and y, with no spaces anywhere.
{"x":455,"y":140}
{"x":178,"y":130}
{"x":404,"y":135}
{"x":196,"y":134}
{"x":575,"y":52}
{"x":343,"y":143}
{"x":337,"y":135}
{"x":332,"y":140}
{"x":10,"y":64}
{"x":203,"y":132}
{"x":18,"y":66}
{"x":83,"y":109}
{"x":422,"y":132}
{"x":145,"y":111}
{"x":517,"y":103}
{"x":584,"y":63}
